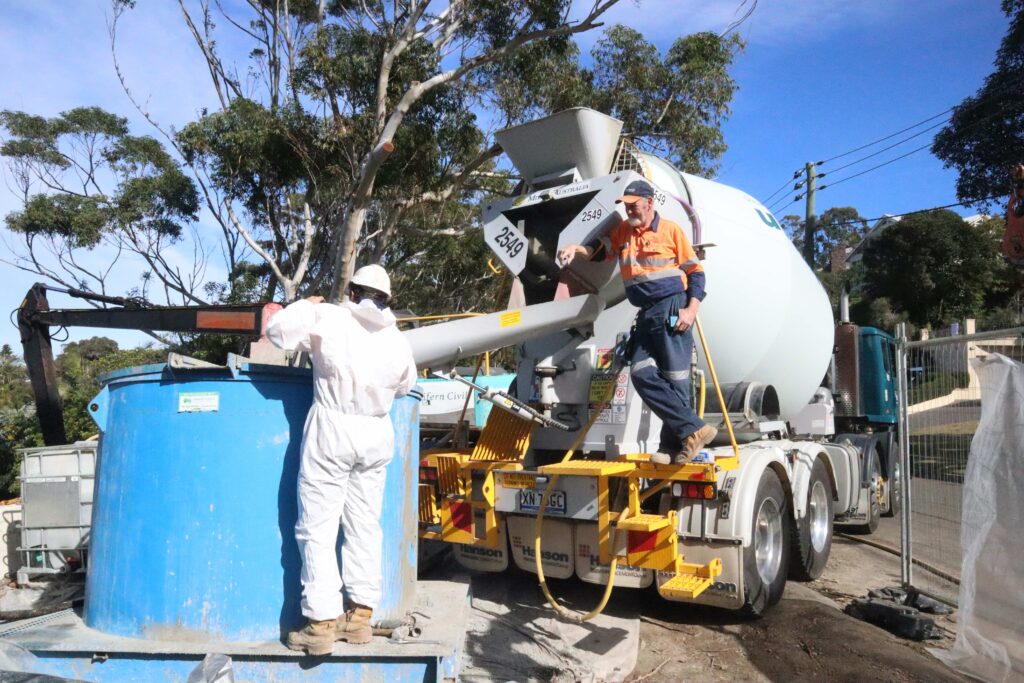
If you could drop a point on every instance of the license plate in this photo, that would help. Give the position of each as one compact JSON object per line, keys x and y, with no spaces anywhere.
{"x":529,"y":501}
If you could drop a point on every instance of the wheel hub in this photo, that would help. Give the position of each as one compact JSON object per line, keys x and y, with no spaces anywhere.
{"x":818,"y":516}
{"x":768,"y":540}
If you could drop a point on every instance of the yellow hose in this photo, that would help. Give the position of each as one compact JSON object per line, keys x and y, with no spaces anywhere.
{"x":540,"y":522}
{"x":576,"y":618}
{"x":718,"y":389}
{"x":572,"y":616}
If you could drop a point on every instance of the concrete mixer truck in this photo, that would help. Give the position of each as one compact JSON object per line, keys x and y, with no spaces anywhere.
{"x":570,"y":443}
{"x":727,"y":531}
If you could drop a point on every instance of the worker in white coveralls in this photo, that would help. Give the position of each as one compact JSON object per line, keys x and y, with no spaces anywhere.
{"x":361,"y":362}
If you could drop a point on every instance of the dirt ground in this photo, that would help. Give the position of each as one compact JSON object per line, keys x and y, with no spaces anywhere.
{"x":804,"y":638}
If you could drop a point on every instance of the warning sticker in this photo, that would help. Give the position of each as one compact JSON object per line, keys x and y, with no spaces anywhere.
{"x":604,"y":360}
{"x":600,"y":385}
{"x":199,"y":402}
{"x":510,"y":318}
{"x":514,"y":480}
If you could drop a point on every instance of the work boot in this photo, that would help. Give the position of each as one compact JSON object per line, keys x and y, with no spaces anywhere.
{"x":316,"y":638}
{"x":354,"y":627}
{"x":694,"y":442}
{"x":662,"y":458}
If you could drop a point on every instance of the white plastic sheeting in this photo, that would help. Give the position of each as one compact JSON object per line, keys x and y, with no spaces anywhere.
{"x":990,"y":638}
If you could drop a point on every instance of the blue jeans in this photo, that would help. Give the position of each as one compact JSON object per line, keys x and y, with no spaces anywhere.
{"x":660,"y":370}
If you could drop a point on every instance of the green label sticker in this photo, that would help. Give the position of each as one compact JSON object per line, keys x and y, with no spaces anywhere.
{"x":199,"y":402}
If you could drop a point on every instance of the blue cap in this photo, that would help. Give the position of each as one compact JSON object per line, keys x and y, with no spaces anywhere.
{"x":635,"y":191}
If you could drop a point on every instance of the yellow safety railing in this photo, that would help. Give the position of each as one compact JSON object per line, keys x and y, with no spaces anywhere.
{"x":572,"y":616}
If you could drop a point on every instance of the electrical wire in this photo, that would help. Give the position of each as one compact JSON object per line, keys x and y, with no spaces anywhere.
{"x":1011,"y":87}
{"x":886,"y":149}
{"x":887,"y":137}
{"x":796,"y":174}
{"x":875,"y":168}
{"x":911,"y":213}
{"x":999,"y":111}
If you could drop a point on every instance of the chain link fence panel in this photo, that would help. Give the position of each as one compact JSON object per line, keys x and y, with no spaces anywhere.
{"x":940,"y":405}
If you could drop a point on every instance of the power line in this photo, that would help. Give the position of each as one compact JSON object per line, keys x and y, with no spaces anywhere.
{"x":999,"y":111}
{"x":796,"y":174}
{"x":886,"y":149}
{"x":911,"y":213}
{"x":1010,"y":87}
{"x":875,"y":168}
{"x":887,"y":137}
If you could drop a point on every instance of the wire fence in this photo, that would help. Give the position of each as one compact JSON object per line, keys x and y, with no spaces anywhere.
{"x":940,"y":405}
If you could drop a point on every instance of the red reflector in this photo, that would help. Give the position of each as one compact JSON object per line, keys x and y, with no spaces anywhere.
{"x":641,"y":541}
{"x":462,"y":516}
{"x":692,"y":491}
{"x":243,"y":321}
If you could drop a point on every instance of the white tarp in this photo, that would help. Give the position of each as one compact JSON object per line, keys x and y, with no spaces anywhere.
{"x":990,"y":635}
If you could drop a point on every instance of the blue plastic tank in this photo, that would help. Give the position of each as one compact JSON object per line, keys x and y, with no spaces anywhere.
{"x":195,"y":504}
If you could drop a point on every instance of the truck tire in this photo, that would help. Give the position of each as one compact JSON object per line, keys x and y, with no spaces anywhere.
{"x":811,"y":540}
{"x":766,"y":557}
{"x":874,"y":507}
{"x":892,"y":490}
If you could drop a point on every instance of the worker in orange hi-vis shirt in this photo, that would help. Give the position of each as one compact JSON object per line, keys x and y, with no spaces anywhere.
{"x":665,"y":280}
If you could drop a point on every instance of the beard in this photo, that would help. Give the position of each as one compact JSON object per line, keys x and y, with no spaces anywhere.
{"x":635,"y":221}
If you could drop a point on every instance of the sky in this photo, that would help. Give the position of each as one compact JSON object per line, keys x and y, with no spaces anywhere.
{"x":816,"y":80}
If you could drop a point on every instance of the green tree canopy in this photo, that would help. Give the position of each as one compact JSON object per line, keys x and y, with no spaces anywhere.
{"x":84,"y":180}
{"x":985,"y":135}
{"x":344,"y":130}
{"x":934,"y":266}
{"x":840,"y":226}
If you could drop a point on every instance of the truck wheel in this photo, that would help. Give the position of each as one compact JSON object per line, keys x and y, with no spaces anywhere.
{"x":766,"y":557}
{"x":812,"y":535}
{"x":874,"y":504}
{"x":892,"y":491}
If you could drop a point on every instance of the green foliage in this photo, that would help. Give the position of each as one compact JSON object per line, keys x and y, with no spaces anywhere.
{"x":18,"y":425}
{"x":434,"y":275}
{"x":933,"y":266}
{"x":672,"y":105}
{"x":878,"y":312}
{"x":96,"y":182}
{"x":985,"y":135}
{"x":79,"y":368}
{"x":840,"y":226}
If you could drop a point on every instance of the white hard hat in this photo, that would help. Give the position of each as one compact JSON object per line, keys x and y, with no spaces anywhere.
{"x":373,"y":277}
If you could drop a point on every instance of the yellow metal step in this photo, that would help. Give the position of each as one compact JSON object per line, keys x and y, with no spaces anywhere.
{"x":685,"y":586}
{"x":644,"y":522}
{"x":589,"y":468}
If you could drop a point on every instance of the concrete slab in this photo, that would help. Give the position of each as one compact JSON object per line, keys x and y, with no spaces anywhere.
{"x":62,"y":640}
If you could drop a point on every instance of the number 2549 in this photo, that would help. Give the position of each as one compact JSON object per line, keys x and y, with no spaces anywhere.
{"x":509,"y":242}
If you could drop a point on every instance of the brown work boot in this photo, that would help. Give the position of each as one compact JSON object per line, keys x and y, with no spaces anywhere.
{"x":354,"y":627}
{"x":694,"y":442}
{"x":316,"y":638}
{"x":662,"y":458}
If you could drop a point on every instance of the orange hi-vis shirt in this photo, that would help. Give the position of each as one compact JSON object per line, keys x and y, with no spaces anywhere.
{"x":655,"y":262}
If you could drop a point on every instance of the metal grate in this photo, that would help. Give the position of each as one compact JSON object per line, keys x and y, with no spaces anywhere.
{"x":630,"y":158}
{"x":504,"y":437}
{"x":427,"y":505}
{"x":448,"y":482}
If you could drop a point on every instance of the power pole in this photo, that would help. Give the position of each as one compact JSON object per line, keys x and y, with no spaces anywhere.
{"x":809,"y":214}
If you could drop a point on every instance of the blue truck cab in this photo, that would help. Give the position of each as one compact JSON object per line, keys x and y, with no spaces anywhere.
{"x":877,"y":374}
